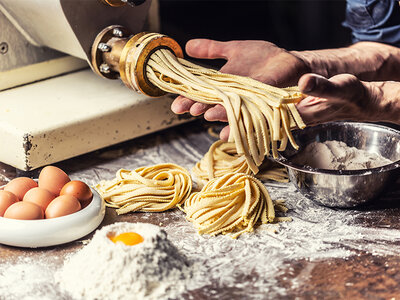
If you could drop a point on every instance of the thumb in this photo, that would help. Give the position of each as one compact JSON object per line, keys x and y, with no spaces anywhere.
{"x":209,"y":49}
{"x":343,"y":86}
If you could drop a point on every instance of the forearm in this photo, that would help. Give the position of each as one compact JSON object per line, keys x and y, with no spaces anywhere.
{"x":368,"y":61}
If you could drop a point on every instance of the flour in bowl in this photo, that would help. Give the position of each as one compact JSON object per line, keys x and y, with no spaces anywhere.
{"x":152,"y":268}
{"x":336,"y":155}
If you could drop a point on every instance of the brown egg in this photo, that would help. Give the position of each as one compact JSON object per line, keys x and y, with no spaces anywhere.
{"x":6,"y":199}
{"x":39,"y":197}
{"x":79,"y":190}
{"x":62,"y":206}
{"x":20,"y":185}
{"x":24,"y":211}
{"x":53,"y":179}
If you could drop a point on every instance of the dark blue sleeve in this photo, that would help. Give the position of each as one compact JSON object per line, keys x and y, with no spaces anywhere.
{"x":372,"y":20}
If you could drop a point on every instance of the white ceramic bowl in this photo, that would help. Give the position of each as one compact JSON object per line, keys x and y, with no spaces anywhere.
{"x":50,"y":232}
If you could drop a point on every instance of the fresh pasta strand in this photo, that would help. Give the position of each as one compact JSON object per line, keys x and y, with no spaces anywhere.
{"x":232,"y":204}
{"x":222,"y":158}
{"x":260,"y":116}
{"x":148,"y":189}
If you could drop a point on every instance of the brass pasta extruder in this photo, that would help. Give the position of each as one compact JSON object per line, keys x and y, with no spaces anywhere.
{"x":117,"y":53}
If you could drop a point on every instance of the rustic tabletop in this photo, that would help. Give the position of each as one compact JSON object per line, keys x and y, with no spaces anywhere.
{"x":323,"y":253}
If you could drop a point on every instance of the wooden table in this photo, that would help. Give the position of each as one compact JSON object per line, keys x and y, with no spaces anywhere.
{"x":323,"y":254}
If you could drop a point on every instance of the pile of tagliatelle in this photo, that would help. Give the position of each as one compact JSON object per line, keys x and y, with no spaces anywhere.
{"x":231,"y":204}
{"x":232,"y":201}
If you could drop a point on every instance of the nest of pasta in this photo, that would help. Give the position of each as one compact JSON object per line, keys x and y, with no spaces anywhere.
{"x":231,"y":204}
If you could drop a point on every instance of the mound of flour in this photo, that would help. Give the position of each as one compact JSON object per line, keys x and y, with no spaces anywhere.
{"x":107,"y":270}
{"x":335,"y":155}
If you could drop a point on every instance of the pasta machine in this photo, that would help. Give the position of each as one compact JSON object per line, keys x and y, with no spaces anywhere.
{"x":53,"y":107}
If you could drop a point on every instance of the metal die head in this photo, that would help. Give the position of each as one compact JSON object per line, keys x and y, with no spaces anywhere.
{"x":106,"y":50}
{"x":125,"y":61}
{"x":136,"y":53}
{"x":115,"y":55}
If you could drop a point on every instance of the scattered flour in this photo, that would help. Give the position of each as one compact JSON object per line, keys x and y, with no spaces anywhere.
{"x":251,"y":267}
{"x":107,"y":270}
{"x":29,"y":279}
{"x":220,"y":267}
{"x":336,"y":155}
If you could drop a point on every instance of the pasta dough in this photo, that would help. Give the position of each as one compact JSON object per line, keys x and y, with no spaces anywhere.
{"x":260,"y":116}
{"x":149,"y":189}
{"x":222,"y":159}
{"x":231,"y":204}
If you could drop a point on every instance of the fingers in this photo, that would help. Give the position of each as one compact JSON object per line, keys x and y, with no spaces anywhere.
{"x":212,"y":113}
{"x":209,"y":49}
{"x":310,"y":109}
{"x":181,"y":105}
{"x":343,"y":86}
{"x":198,"y":108}
{"x":224,"y":134}
{"x":216,"y":113}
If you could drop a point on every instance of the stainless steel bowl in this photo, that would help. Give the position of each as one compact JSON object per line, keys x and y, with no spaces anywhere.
{"x":345,"y":188}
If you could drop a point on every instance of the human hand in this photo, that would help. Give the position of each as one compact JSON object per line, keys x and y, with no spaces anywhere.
{"x":344,"y":97}
{"x":259,"y":60}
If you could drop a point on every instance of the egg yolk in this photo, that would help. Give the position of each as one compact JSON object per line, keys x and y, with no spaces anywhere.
{"x":128,"y":238}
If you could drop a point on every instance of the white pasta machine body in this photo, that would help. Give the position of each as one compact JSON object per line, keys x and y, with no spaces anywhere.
{"x":53,"y":107}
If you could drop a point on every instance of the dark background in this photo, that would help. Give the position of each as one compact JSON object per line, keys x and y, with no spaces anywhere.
{"x":294,"y":25}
